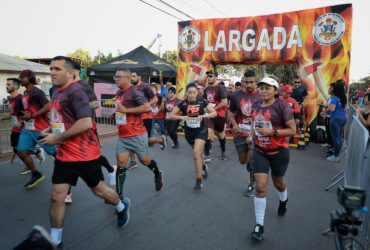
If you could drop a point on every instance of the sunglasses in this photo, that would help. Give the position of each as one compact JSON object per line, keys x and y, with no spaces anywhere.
{"x":210,"y":75}
{"x":297,"y":82}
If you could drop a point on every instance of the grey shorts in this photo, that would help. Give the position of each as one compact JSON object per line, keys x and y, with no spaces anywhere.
{"x":241,"y":145}
{"x":135,"y":144}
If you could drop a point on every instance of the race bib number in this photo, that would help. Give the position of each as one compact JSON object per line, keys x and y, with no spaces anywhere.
{"x":154,"y":109}
{"x":30,"y":125}
{"x":120,"y":118}
{"x":193,"y":123}
{"x":15,"y":121}
{"x":261,"y":124}
{"x":57,"y":128}
{"x":168,"y":115}
{"x":245,"y":129}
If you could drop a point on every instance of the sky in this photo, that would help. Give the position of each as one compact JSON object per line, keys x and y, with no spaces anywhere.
{"x":46,"y":28}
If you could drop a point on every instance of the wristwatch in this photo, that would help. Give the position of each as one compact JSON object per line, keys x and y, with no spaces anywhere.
{"x":275,"y":132}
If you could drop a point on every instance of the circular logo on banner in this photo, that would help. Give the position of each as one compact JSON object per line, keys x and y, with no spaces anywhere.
{"x":189,"y":38}
{"x":328,"y":29}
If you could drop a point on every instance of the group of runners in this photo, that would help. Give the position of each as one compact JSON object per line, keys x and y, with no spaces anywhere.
{"x":261,"y":122}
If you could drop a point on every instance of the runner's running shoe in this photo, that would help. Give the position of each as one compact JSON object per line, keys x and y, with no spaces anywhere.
{"x":250,"y":190}
{"x":282,"y":207}
{"x":40,"y":154}
{"x":132,"y":165}
{"x":198,"y":184}
{"x":24,"y":171}
{"x":38,"y":238}
{"x":36,"y":178}
{"x":257,"y":233}
{"x":163,"y":143}
{"x":224,"y":155}
{"x":68,"y":199}
{"x":204,"y":171}
{"x":123,"y":217}
{"x":158,"y":181}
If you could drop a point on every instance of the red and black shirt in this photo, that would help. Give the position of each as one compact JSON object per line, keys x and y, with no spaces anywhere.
{"x":274,"y":116}
{"x":69,"y":104}
{"x":241,"y":105}
{"x":169,"y":105}
{"x":148,"y":94}
{"x":193,"y":110}
{"x":33,"y":101}
{"x":215,"y":94}
{"x":130,"y":124}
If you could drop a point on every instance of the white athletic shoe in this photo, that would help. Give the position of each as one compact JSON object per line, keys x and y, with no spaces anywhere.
{"x":68,"y":199}
{"x":40,"y":155}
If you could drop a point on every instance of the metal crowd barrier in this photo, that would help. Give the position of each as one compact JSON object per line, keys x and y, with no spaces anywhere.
{"x":5,"y":130}
{"x":105,"y":124}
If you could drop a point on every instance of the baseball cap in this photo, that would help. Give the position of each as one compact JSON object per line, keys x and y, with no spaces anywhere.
{"x":27,"y":73}
{"x":269,"y":81}
{"x":288,"y":89}
{"x":211,"y":72}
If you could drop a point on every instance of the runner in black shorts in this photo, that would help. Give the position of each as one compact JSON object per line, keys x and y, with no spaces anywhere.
{"x":272,"y":123}
{"x":192,"y":111}
{"x":240,"y":115}
{"x":78,"y":147}
{"x":216,"y":95}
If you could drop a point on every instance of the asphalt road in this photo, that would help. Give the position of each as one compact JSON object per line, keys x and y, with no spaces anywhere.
{"x":217,"y":217}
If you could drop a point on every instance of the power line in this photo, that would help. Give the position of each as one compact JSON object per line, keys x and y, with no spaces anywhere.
{"x":169,"y":5}
{"x":161,"y":10}
{"x":214,"y":8}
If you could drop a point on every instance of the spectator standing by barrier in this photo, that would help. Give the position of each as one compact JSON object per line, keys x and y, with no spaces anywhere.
{"x":338,"y":118}
{"x":272,"y":123}
{"x":364,"y":114}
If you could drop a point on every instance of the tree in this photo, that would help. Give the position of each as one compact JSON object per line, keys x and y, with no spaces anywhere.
{"x":82,"y":56}
{"x":170,"y":56}
{"x":285,"y":72}
{"x":101,"y":58}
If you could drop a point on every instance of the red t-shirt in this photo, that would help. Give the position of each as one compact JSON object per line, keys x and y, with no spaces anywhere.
{"x":69,"y":104}
{"x":241,"y":105}
{"x":292,"y":103}
{"x":130,"y":124}
{"x":33,"y":101}
{"x":273,"y":116}
{"x":15,"y":109}
{"x":148,"y":94}
{"x":169,"y":105}
{"x":215,"y":94}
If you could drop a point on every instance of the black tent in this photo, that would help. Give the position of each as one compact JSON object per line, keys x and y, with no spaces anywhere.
{"x":148,"y":64}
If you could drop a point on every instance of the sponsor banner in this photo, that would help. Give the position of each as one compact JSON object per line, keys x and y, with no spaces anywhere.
{"x":318,"y":40}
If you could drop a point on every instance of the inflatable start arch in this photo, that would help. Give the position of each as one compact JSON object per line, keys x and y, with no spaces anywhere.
{"x":317,"y":40}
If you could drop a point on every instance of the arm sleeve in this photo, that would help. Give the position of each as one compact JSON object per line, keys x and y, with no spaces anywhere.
{"x":38,"y":98}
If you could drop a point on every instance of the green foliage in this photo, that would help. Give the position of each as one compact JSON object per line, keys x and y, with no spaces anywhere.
{"x":285,"y":72}
{"x":101,"y":58}
{"x":82,"y":56}
{"x":170,"y":56}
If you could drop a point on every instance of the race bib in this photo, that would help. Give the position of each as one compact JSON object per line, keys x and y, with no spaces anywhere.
{"x":154,"y":109}
{"x":120,"y":118}
{"x":261,"y":124}
{"x":245,"y":129}
{"x":30,"y":125}
{"x":15,"y":120}
{"x":193,"y":123}
{"x":57,"y":128}
{"x":168,"y":115}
